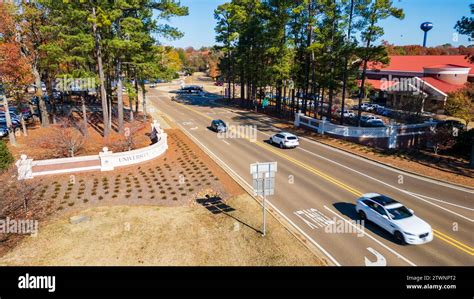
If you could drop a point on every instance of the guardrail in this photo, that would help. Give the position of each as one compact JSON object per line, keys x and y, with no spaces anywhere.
{"x":391,"y":136}
{"x":104,"y":161}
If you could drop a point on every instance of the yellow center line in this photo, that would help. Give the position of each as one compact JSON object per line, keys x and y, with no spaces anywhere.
{"x":453,"y":240}
{"x":453,"y":244}
{"x":438,"y":234}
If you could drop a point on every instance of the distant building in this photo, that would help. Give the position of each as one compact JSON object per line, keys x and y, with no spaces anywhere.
{"x":424,"y":80}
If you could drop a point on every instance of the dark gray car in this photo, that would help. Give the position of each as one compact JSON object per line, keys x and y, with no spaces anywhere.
{"x":218,"y":125}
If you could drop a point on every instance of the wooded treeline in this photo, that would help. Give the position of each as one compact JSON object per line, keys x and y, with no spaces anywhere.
{"x":309,"y":52}
{"x":113,"y":44}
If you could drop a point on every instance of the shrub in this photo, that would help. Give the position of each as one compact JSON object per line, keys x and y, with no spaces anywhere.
{"x":6,"y":158}
{"x":463,"y":143}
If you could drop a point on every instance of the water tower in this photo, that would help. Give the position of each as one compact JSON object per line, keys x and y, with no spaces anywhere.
{"x":426,"y":26}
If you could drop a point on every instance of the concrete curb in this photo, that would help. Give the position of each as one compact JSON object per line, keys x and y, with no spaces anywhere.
{"x":273,"y":213}
{"x":381,"y":163}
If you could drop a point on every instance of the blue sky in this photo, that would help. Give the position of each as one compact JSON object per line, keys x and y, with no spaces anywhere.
{"x":198,"y":26}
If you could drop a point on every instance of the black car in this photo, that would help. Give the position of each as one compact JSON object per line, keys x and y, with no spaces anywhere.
{"x":218,"y":125}
{"x":451,"y":124}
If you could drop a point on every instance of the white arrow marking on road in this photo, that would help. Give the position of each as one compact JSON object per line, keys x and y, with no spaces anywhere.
{"x":381,"y":261}
{"x":187,"y":123}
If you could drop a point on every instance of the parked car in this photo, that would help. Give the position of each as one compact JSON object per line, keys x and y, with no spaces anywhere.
{"x":373,"y":123}
{"x":192,"y":89}
{"x":285,"y":140}
{"x":395,"y":218}
{"x":218,"y":125}
{"x":4,"y":128}
{"x":386,"y":112}
{"x":452,"y":123}
{"x":347,"y":113}
{"x":378,"y":109}
{"x":3,"y":131}
{"x":25,"y":112}
{"x":365,"y":107}
{"x":367,"y":117}
{"x":15,"y":118}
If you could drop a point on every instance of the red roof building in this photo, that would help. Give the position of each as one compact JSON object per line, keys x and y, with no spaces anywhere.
{"x":433,"y":77}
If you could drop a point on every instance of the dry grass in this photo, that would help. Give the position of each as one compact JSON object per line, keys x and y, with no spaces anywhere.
{"x":144,"y":235}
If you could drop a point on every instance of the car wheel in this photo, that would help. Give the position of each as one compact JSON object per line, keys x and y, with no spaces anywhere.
{"x":362,"y":215}
{"x":281,"y":145}
{"x":399,"y":237}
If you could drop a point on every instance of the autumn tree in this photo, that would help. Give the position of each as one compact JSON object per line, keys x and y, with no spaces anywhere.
{"x":461,"y":103}
{"x":441,"y":139}
{"x":14,"y":67}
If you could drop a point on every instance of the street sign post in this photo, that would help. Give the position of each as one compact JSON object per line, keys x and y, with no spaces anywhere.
{"x":263,"y":183}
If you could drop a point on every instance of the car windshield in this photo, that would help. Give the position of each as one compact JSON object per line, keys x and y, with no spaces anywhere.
{"x":399,"y":213}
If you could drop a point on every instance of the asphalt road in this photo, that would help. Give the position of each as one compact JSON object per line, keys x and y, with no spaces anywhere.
{"x":317,"y":185}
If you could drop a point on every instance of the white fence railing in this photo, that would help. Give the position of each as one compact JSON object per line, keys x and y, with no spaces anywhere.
{"x":391,"y":131}
{"x":104,"y":161}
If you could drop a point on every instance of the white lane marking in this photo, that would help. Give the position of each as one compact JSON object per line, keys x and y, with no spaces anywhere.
{"x":390,"y":168}
{"x":370,"y":161}
{"x":391,"y":186}
{"x":226,"y":142}
{"x":384,"y":183}
{"x":247,"y":187}
{"x":195,"y":128}
{"x":377,"y":180}
{"x":187,"y":123}
{"x":313,"y":218}
{"x":439,"y":200}
{"x":381,"y":261}
{"x":368,"y":235}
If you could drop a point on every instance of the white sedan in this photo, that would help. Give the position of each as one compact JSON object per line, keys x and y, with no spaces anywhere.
{"x":395,"y":218}
{"x":285,"y":140}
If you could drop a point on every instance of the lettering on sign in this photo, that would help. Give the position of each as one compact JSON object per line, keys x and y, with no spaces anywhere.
{"x":132,"y":158}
